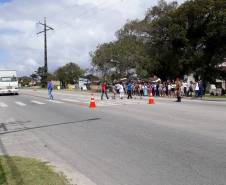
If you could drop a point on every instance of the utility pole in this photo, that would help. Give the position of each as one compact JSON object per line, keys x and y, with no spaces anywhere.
{"x":46,"y":28}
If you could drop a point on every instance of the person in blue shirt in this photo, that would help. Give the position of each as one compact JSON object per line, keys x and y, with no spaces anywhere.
{"x":50,"y":89}
{"x":129,"y":90}
{"x":201,"y":89}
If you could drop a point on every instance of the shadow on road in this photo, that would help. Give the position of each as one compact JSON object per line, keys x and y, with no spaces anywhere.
{"x":6,"y":131}
{"x":16,"y":123}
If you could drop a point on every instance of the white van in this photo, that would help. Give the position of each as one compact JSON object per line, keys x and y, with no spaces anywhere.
{"x":8,"y":82}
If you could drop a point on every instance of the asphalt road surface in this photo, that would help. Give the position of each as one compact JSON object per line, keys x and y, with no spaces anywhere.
{"x":124,"y":142}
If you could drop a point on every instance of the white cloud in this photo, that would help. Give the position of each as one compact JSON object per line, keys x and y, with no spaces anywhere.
{"x":80,"y":25}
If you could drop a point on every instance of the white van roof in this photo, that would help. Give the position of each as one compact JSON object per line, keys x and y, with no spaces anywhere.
{"x":5,"y":73}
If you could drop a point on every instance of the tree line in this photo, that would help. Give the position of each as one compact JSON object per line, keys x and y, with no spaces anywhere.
{"x":67,"y":74}
{"x":171,"y":41}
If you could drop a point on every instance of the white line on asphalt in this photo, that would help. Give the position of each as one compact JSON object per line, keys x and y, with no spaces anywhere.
{"x":3,"y":105}
{"x":107,"y":105}
{"x":119,"y":102}
{"x":71,"y":100}
{"x":55,"y":101}
{"x":37,"y":102}
{"x":20,"y":103}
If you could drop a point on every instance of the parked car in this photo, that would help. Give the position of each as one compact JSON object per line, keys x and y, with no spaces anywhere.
{"x":214,"y":91}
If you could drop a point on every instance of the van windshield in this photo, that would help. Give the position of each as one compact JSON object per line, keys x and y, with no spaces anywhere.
{"x":8,"y":79}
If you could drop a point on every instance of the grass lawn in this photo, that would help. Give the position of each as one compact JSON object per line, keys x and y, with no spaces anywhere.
{"x":26,"y":171}
{"x":218,"y":97}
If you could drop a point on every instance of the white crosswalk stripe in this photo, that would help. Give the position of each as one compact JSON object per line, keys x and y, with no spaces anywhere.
{"x":79,"y":100}
{"x":108,"y":103}
{"x":99,"y":103}
{"x":38,"y":102}
{"x":55,"y":101}
{"x":3,"y":105}
{"x":20,"y":103}
{"x":71,"y":100}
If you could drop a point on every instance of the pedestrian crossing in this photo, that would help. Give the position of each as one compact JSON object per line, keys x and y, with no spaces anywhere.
{"x":3,"y":105}
{"x":20,"y":103}
{"x":109,"y":103}
{"x":55,"y":101}
{"x":79,"y":101}
{"x":38,"y":102}
{"x":71,"y":100}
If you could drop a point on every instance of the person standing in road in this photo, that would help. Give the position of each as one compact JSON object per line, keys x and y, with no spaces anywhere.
{"x":141,"y":89}
{"x":190,"y":89}
{"x":114,"y":90}
{"x":173,"y":88}
{"x":129,"y":90}
{"x":104,"y":90}
{"x":136,"y":90}
{"x":185,"y":88}
{"x":201,"y":89}
{"x":50,"y":89}
{"x":145,"y":89}
{"x":121,"y":90}
{"x":197,"y":89}
{"x":154,"y":89}
{"x":178,"y":90}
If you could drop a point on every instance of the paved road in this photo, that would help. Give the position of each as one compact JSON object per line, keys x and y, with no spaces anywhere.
{"x":121,"y":142}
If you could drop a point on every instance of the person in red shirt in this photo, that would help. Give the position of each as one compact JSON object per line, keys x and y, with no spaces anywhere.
{"x":104,"y":90}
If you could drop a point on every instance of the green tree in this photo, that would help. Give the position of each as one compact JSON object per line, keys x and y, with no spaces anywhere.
{"x":68,"y":74}
{"x":24,"y":81}
{"x":159,"y":37}
{"x":102,"y":58}
{"x":116,"y":59}
{"x":187,"y":39}
{"x":39,"y":75}
{"x":34,"y":76}
{"x":205,"y":22}
{"x":170,"y":41}
{"x":167,"y":42}
{"x":40,"y":72}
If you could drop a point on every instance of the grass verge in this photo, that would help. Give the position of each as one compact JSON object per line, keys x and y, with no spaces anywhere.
{"x":26,"y":171}
{"x":215,"y":97}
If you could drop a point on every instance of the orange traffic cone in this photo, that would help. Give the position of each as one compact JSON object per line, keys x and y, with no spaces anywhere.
{"x":151,"y":99}
{"x":92,"y":103}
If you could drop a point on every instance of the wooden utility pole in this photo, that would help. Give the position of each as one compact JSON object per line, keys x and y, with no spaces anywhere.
{"x":46,"y":28}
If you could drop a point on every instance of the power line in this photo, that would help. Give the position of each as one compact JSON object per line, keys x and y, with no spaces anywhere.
{"x":101,"y":6}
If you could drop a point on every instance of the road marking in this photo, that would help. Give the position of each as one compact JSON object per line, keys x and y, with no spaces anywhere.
{"x":37,"y":102}
{"x":3,"y":105}
{"x":71,"y":100}
{"x":55,"y":101}
{"x":119,"y":102}
{"x":20,"y":103}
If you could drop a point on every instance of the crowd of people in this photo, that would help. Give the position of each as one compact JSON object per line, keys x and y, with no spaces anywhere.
{"x":171,"y":89}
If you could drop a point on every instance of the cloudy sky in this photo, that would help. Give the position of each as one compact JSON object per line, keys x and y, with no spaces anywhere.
{"x":79,"y":26}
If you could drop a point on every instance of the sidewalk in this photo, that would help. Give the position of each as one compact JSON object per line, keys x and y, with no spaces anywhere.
{"x":207,"y":98}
